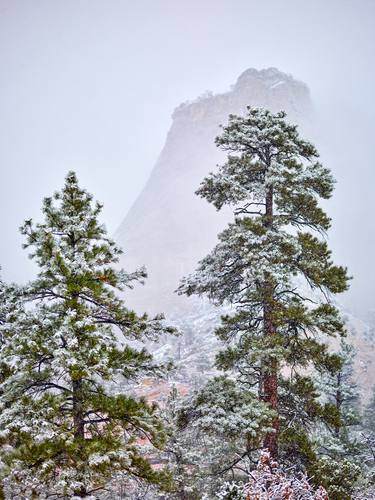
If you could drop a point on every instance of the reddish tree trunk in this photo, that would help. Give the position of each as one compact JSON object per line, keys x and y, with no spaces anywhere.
{"x":270,"y":391}
{"x":270,"y":374}
{"x":78,"y":424}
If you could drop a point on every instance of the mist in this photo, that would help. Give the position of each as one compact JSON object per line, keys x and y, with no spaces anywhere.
{"x":91,"y":86}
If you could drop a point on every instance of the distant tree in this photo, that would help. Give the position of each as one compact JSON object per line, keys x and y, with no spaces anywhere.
{"x":338,"y":464}
{"x":339,"y":389}
{"x":215,"y":428}
{"x":65,"y":427}
{"x":368,"y":436}
{"x":8,"y":299}
{"x":272,"y":180}
{"x":369,"y":413}
{"x":9,"y":302}
{"x":184,"y":451}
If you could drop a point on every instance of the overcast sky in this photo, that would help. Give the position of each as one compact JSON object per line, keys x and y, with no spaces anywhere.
{"x":90,"y":85}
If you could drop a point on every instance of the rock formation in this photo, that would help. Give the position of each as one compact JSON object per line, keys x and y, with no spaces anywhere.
{"x":169,"y":228}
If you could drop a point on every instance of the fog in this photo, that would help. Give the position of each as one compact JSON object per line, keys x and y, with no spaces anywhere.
{"x":90,"y":85}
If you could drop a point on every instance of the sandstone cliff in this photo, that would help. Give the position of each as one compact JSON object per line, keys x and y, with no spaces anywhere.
{"x":169,"y":228}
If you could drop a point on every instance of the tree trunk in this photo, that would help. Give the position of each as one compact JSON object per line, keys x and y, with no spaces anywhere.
{"x":338,"y":399}
{"x":78,"y":423}
{"x":78,"y":420}
{"x":78,"y":411}
{"x":270,"y":372}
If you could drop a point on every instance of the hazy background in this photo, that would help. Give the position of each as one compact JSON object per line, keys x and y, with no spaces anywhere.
{"x":90,"y":85}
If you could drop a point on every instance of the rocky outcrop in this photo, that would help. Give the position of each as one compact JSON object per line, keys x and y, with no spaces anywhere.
{"x":169,"y":228}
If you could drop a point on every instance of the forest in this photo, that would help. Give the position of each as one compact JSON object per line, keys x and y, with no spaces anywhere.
{"x":282,"y":418}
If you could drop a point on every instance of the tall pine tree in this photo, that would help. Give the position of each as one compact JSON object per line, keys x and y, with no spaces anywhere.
{"x":272,"y":180}
{"x":66,"y":427}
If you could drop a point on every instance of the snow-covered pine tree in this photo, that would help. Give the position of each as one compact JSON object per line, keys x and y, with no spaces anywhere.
{"x":339,"y":389}
{"x":368,"y":435}
{"x":273,"y":181}
{"x":369,"y":413}
{"x":339,"y":450}
{"x":66,"y":427}
{"x":215,"y":430}
{"x":183,"y":451}
{"x":3,"y":371}
{"x":3,"y":301}
{"x":9,"y":301}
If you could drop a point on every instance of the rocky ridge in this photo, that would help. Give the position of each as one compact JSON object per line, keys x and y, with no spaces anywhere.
{"x":169,"y":228}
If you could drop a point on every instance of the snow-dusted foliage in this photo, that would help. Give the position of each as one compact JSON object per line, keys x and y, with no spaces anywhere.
{"x":367,"y":493}
{"x":9,"y":300}
{"x":63,"y":431}
{"x":224,"y":407}
{"x":367,"y":442}
{"x":215,"y":430}
{"x":184,"y":451}
{"x":269,"y":482}
{"x":273,"y":333}
{"x":338,"y":389}
{"x":2,"y":301}
{"x":338,"y":476}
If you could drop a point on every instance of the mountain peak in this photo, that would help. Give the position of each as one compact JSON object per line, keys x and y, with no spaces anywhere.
{"x":269,"y":87}
{"x":169,"y":229}
{"x":271,"y":77}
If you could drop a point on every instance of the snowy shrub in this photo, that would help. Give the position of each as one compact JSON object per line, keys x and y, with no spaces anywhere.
{"x":269,"y":482}
{"x":337,"y":476}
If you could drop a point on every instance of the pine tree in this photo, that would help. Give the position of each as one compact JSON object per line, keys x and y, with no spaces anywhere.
{"x":2,"y":301}
{"x":369,"y":413}
{"x":273,"y":181}
{"x":338,"y":449}
{"x":9,"y":301}
{"x":216,"y":428}
{"x":368,"y":435}
{"x":5,"y":300}
{"x":338,"y":389}
{"x":183,"y":451}
{"x":3,"y":371}
{"x":66,"y":427}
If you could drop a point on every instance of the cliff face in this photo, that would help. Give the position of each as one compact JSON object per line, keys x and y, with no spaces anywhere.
{"x":169,"y":228}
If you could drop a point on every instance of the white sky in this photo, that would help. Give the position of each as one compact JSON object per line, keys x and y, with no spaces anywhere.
{"x":90,"y":85}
